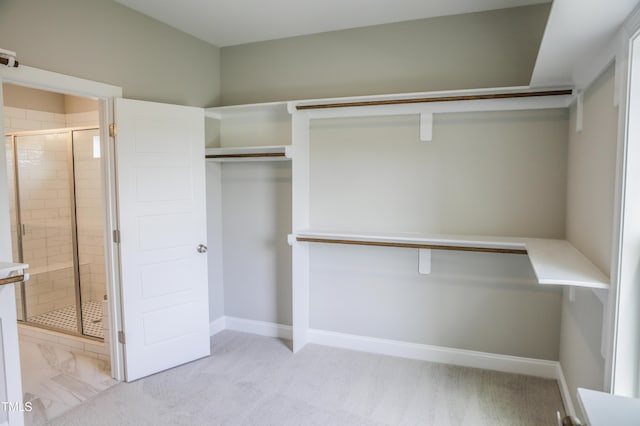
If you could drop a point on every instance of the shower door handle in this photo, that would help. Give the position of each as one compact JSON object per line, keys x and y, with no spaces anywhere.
{"x":201,"y":248}
{"x":23,"y":229}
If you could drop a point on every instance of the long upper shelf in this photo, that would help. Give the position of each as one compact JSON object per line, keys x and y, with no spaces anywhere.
{"x":501,"y":98}
{"x":554,"y":262}
{"x":437,"y":99}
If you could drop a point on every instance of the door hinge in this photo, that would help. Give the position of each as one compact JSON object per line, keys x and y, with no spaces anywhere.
{"x":113,"y":130}
{"x":121,"y":337}
{"x":116,"y":236}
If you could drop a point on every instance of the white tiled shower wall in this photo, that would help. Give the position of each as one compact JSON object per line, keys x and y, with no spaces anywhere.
{"x":17,"y":119}
{"x":89,"y":208}
{"x":47,"y":242}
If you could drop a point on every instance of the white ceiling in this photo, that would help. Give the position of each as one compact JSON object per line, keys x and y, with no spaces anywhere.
{"x":577,"y":31}
{"x":231,"y":22}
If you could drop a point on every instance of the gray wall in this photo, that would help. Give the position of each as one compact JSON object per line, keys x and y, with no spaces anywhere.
{"x":482,"y":302}
{"x":590,"y":200}
{"x":249,"y":212}
{"x":488,"y":49}
{"x":104,"y":41}
{"x":256,"y":216}
{"x":480,"y":175}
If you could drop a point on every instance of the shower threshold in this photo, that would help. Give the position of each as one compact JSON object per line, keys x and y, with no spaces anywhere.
{"x":66,"y":319}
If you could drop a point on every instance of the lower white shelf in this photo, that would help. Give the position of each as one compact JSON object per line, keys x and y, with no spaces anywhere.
{"x":554,"y":262}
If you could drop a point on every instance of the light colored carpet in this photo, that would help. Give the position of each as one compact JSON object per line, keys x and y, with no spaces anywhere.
{"x":253,"y":380}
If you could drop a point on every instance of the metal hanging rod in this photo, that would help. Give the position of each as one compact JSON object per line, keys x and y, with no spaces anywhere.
{"x":12,"y":279}
{"x":411,"y":245}
{"x":9,"y":62}
{"x":439,"y":99}
{"x":250,"y":155}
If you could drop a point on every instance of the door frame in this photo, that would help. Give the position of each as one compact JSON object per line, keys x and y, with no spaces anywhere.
{"x":104,"y":93}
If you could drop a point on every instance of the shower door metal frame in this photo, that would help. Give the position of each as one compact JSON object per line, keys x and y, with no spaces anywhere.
{"x":74,"y":225}
{"x":74,"y":232}
{"x":19,"y":227}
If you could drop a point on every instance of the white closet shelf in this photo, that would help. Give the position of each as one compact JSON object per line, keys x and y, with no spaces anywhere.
{"x":219,"y":112}
{"x":9,"y":268}
{"x":563,"y":94}
{"x":249,"y":153}
{"x":11,"y":273}
{"x":555,"y":262}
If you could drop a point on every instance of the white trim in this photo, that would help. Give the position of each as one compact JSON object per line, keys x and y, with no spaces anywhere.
{"x":440,"y":354}
{"x":564,"y":391}
{"x":217,"y":325}
{"x":443,"y":355}
{"x":622,"y":345}
{"x":111,"y":249}
{"x":47,"y":80}
{"x":60,"y":83}
{"x":262,"y":328}
{"x":300,"y":219}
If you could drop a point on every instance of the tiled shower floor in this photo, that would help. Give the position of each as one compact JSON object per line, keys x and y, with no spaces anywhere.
{"x":65,"y":318}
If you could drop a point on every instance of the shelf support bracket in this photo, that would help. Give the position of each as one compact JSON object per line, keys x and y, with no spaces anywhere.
{"x":579,"y":111}
{"x":426,"y":126}
{"x":424,"y":261}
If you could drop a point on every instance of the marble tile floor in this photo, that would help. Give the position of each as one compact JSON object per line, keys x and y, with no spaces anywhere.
{"x":55,"y":380}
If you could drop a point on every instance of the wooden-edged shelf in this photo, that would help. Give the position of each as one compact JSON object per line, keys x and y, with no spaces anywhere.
{"x":555,"y":262}
{"x":253,"y":153}
{"x":442,"y":98}
{"x":11,"y":273}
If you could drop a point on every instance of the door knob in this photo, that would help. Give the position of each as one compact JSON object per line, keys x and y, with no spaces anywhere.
{"x":202,"y":248}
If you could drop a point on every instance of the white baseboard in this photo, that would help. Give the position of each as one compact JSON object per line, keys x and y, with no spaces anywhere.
{"x":564,"y":392}
{"x":217,"y":325}
{"x":261,"y":328}
{"x":422,"y":352}
{"x":461,"y":357}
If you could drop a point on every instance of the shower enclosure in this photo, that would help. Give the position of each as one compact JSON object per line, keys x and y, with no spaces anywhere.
{"x":55,"y":183}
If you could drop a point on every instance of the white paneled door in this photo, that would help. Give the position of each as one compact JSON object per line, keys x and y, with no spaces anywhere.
{"x":161,"y":190}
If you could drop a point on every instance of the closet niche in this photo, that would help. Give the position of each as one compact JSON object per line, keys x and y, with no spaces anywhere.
{"x":395,"y":212}
{"x":249,"y":214}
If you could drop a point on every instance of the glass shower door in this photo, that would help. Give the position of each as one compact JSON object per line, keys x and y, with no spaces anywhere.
{"x":45,"y":204}
{"x":90,"y":231}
